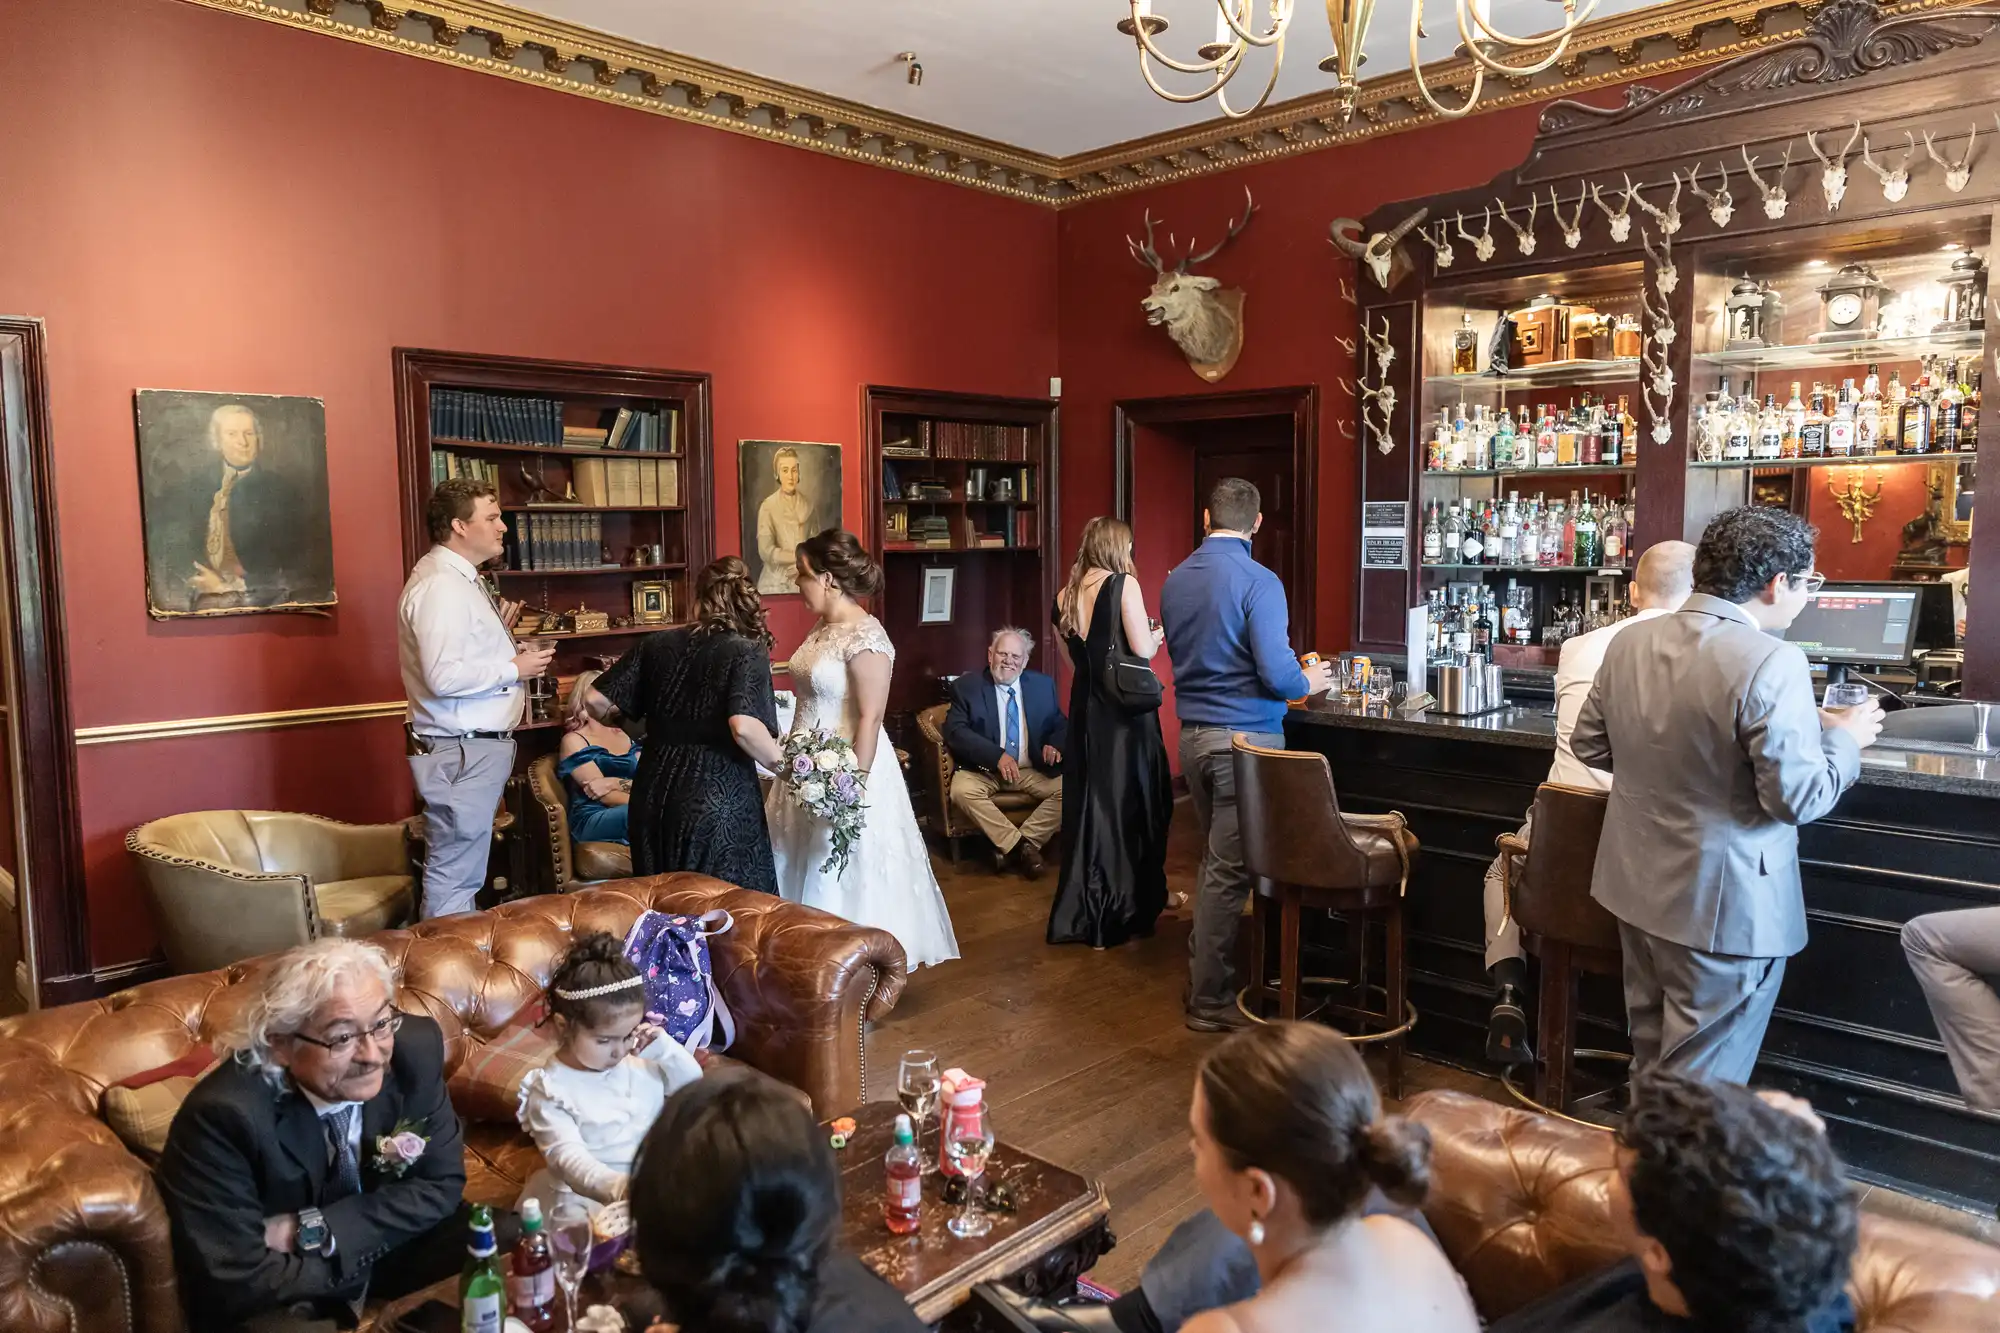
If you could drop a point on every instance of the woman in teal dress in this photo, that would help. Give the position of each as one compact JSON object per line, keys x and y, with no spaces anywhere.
{"x":597,"y":763}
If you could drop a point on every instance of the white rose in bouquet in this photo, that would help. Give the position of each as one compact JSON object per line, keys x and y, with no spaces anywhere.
{"x":812,"y":792}
{"x":827,"y":761}
{"x":848,"y":761}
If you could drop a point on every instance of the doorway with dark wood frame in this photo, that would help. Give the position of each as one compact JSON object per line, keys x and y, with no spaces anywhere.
{"x":45,"y":952}
{"x":1171,"y":450}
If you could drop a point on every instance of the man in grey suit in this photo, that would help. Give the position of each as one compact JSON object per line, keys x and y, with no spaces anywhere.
{"x":1707,"y":719}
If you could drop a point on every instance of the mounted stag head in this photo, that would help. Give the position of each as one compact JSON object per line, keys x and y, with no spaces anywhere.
{"x":1669,"y":217}
{"x":1380,"y":253}
{"x":1205,"y":322}
{"x":1832,"y":172}
{"x":1482,"y":244}
{"x":1621,"y":221}
{"x":1572,"y":228}
{"x":1440,"y":244}
{"x":1776,"y":201}
{"x":1721,"y":203}
{"x":1896,"y":183}
{"x":1956,"y":174}
{"x":1524,"y":236}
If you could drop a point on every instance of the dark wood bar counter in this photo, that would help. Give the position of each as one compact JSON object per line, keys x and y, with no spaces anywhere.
{"x":1920,"y":832}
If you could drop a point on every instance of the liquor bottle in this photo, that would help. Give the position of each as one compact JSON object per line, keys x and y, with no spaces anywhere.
{"x":1501,"y":450}
{"x":1968,"y":416}
{"x":1465,"y":347}
{"x":531,"y":1273}
{"x":1913,"y":425}
{"x":1770,"y":429}
{"x":902,"y":1199}
{"x":1612,"y":534}
{"x":1461,"y":633}
{"x":1736,"y":430}
{"x":1566,"y":438}
{"x":1893,"y":399}
{"x":1510,"y":530}
{"x":1840,"y":426}
{"x":1472,"y":549}
{"x":1438,"y":444}
{"x":1528,"y":550}
{"x":1795,"y":420}
{"x":1622,"y":443}
{"x":1589,"y":552}
{"x":1552,"y":536}
{"x":1590,"y":436}
{"x":1483,"y":429}
{"x":1947,"y":416}
{"x":1461,"y":442}
{"x":1812,"y":431}
{"x":482,"y":1290}
{"x":1482,"y":631}
{"x":1433,"y":536}
{"x":1868,"y":416}
{"x":1454,"y":536}
{"x":1489,"y":537}
{"x":1545,"y":437}
{"x":1566,"y":554}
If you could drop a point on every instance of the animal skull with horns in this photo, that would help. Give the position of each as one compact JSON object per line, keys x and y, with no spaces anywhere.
{"x":1380,"y":253}
{"x":1205,"y":322}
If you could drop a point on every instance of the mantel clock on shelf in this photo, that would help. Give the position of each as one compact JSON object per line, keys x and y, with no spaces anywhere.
{"x":1964,"y":296}
{"x":1745,"y":311}
{"x":1850,"y":305}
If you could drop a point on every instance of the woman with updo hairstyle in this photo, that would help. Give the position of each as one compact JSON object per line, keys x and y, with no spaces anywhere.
{"x":735,"y":1203}
{"x":1289,"y":1137}
{"x":703,"y":693}
{"x":840,"y":675}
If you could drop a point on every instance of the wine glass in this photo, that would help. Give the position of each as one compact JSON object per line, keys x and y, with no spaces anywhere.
{"x":571,"y":1238}
{"x":917,"y":1090}
{"x":967,"y":1139}
{"x":1379,"y":682}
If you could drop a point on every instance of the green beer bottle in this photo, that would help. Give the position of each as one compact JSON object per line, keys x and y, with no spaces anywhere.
{"x":482,"y":1291}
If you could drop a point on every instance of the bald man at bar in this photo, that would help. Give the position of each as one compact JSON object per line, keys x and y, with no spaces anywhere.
{"x":1662,"y":581}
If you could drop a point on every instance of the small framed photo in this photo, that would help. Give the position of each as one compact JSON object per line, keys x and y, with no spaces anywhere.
{"x":652,"y":602}
{"x":938,"y":584}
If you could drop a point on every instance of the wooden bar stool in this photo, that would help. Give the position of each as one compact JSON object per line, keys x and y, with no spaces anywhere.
{"x":1562,"y":927}
{"x":1304,"y":853}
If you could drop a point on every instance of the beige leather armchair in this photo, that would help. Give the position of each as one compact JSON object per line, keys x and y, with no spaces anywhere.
{"x":232,"y":884}
{"x":560,"y":862}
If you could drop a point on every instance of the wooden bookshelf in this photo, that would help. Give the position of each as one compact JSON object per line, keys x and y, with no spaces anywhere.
{"x":994,"y":585}
{"x":551,"y":400}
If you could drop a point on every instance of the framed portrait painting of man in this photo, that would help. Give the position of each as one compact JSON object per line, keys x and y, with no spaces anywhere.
{"x":233,"y":501}
{"x":788,"y":491}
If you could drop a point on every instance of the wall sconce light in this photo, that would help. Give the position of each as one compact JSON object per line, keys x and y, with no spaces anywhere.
{"x":1856,"y":505}
{"x":916,"y":68}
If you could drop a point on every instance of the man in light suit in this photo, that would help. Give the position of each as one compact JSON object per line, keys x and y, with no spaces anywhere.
{"x":1707,"y":719}
{"x":1006,"y":732}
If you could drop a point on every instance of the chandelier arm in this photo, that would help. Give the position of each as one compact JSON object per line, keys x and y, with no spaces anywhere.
{"x":1222,"y":94}
{"x":1489,"y":32}
{"x":1280,"y":22}
{"x":1213,"y":89}
{"x":1423,"y":85}
{"x":1147,"y":48}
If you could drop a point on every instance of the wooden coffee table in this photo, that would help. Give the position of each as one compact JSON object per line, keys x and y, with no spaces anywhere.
{"x":1059,"y":1228}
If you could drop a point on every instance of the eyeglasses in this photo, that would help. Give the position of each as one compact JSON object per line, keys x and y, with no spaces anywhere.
{"x":341,"y":1045}
{"x":1812,"y":581}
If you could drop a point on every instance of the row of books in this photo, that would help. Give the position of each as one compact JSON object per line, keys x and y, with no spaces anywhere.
{"x":641,"y":430}
{"x":1014,"y":529}
{"x":539,"y":541}
{"x":930,"y":530}
{"x":935,"y":531}
{"x":963,"y":439}
{"x":496,"y":418}
{"x":619,"y":483}
{"x":445,"y":465}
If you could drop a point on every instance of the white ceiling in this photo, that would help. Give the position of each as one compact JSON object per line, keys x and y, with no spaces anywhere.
{"x":1051,"y":76}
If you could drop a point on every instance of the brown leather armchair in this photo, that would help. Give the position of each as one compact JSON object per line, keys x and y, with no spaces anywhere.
{"x":945,"y":819}
{"x":1520,"y":1202}
{"x":83,"y":1233}
{"x":561,"y":862}
{"x":231,"y":884}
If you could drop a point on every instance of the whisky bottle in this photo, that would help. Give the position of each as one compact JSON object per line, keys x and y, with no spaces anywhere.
{"x":1868,"y":416}
{"x":1566,"y":438}
{"x":1736,"y":433}
{"x":1465,"y":347}
{"x":1812,"y":432}
{"x":1795,"y":420}
{"x":1770,"y":429}
{"x":1840,"y":427}
{"x":1913,"y":425}
{"x":1946,"y":418}
{"x":1433,"y":536}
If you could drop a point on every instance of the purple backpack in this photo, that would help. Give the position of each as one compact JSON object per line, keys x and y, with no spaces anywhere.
{"x":671,"y":952}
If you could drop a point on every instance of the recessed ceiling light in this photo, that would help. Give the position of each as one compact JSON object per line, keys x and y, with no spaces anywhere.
{"x":1815,"y":263}
{"x":1953,"y":245}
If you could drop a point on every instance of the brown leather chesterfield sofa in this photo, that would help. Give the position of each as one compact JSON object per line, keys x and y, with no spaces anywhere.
{"x":1520,"y":1203}
{"x":83,"y":1233}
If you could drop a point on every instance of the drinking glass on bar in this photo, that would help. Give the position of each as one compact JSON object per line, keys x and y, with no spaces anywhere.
{"x":571,"y":1238}
{"x":1840,"y":698}
{"x":917,"y":1090}
{"x":969,"y":1142}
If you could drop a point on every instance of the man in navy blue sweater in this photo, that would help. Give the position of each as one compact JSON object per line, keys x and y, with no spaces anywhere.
{"x":1227,"y":633}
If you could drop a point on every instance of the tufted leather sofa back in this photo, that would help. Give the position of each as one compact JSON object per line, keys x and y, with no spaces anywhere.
{"x":1521,"y":1204}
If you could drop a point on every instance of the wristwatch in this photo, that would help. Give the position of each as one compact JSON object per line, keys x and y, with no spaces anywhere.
{"x":314,"y":1237}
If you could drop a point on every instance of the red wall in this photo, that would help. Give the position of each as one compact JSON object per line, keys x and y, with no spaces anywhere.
{"x":1905,"y":493}
{"x":200,"y":201}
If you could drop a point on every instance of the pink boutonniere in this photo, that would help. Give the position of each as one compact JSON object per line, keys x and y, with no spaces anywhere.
{"x":398,"y":1150}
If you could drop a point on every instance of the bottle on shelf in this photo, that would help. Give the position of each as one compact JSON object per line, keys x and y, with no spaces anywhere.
{"x":1770,"y":441}
{"x":1489,"y":537}
{"x":1528,"y":542}
{"x":1588,"y":552}
{"x":1454,"y":536}
{"x":1893,"y":398}
{"x":1482,"y":630}
{"x":1566,"y":553}
{"x":1590,"y":434}
{"x":1566,"y":438}
{"x":1461,"y":633}
{"x":1792,"y":444}
{"x":1623,"y":442}
{"x":1504,"y":440}
{"x":482,"y":1288}
{"x":1465,"y":347}
{"x":1553,"y":550}
{"x":1433,"y":536}
{"x":903,"y":1169}
{"x":1968,"y":415}
{"x":1437,"y":444}
{"x":1840,"y":427}
{"x":1868,"y":415}
{"x":1510,"y":530}
{"x":1545,"y":437}
{"x":531,"y":1273}
{"x":1913,"y":424}
{"x":1612,"y":534}
{"x":1472,"y":549}
{"x":1737,"y":428}
{"x":1812,"y":431}
{"x":1947,"y":416}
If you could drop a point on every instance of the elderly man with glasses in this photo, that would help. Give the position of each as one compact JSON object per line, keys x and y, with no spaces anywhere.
{"x":321,"y":1162}
{"x":1706,"y":718}
{"x":1006,"y":731}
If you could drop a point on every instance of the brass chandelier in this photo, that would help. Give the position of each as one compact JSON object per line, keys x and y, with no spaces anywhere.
{"x":1236,"y":34}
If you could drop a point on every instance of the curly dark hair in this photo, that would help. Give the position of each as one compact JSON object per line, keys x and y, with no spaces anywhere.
{"x":726,"y":602}
{"x":1749,"y":1202}
{"x":735,"y":1198}
{"x":839,"y":554}
{"x":454,"y":499}
{"x":1742,"y":550}
{"x":1295,"y":1100}
{"x":596,"y":959}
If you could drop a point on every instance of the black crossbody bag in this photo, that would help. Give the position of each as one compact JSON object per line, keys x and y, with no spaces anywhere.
{"x":1127,"y":678}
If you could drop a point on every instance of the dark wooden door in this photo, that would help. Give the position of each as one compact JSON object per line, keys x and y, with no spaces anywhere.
{"x":1268,"y":467}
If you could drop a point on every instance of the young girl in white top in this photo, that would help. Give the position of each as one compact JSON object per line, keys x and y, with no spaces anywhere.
{"x":590,"y":1106}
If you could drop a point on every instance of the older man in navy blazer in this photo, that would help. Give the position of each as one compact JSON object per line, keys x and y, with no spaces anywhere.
{"x":1006,"y":732}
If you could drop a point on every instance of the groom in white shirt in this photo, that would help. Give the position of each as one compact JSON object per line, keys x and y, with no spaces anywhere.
{"x":462,"y":671}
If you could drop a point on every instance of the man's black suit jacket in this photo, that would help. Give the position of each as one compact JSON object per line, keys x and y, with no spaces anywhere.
{"x":972,"y":726}
{"x":241,"y":1150}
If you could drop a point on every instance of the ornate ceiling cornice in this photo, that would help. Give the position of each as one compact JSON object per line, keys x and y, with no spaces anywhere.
{"x":498,"y":39}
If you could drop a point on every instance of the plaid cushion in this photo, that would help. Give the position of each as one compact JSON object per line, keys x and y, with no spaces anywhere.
{"x":487,"y":1085}
{"x":141,"y":1116}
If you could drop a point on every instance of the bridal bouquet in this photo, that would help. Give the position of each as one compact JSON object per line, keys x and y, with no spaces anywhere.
{"x":826,"y":778}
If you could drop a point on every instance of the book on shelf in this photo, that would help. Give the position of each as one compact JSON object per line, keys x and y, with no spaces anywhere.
{"x":496,"y":418}
{"x":892,"y":485}
{"x":964,"y":439}
{"x":897,"y":524}
{"x":930,"y":530}
{"x":446,"y":464}
{"x":548,"y":542}
{"x":906,"y":447}
{"x":649,"y":482}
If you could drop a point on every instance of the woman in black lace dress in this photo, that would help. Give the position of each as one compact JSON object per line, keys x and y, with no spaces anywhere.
{"x":1117,"y":794}
{"x":704,"y":694}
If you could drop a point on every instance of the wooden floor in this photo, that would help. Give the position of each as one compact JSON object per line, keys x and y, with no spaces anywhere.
{"x":1086,"y":1060}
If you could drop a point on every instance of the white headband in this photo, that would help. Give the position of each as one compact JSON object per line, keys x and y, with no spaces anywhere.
{"x":595,"y":991}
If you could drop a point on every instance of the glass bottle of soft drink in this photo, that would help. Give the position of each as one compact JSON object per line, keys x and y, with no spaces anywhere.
{"x":531,"y":1273}
{"x":482,"y":1290}
{"x":902,"y":1197}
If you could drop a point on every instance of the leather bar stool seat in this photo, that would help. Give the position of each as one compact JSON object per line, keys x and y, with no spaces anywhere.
{"x":1563,"y":928}
{"x":1306,"y":854}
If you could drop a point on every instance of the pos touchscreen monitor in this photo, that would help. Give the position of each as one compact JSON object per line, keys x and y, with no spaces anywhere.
{"x":1862,"y":626}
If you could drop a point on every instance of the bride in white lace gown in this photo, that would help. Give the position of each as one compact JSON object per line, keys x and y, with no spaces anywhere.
{"x":840,"y":676}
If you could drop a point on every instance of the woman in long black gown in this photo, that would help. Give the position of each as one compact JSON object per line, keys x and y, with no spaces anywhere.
{"x":1117,"y":794}
{"x":704,"y":693}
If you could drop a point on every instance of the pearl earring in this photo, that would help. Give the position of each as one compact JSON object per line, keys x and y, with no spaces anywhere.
{"x":1256,"y":1232}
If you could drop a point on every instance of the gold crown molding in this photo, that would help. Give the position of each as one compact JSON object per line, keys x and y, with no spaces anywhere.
{"x":215,"y":726}
{"x":494,"y":38}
